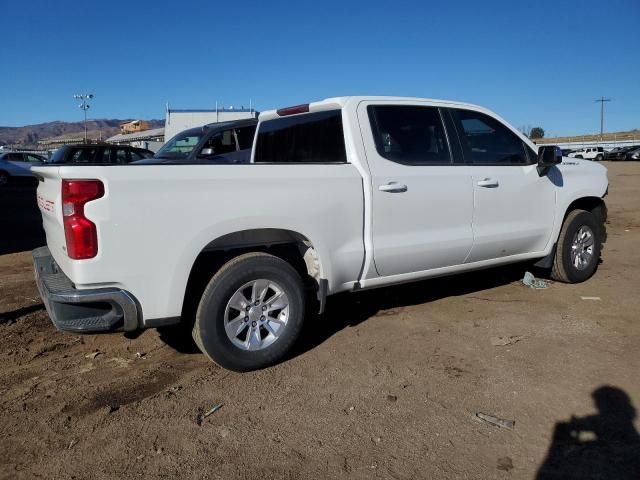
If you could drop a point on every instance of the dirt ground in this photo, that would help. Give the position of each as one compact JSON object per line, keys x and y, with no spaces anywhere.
{"x":385,"y":384}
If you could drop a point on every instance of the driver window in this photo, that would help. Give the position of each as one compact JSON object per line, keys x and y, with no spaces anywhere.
{"x":220,"y":143}
{"x":485,"y":141}
{"x":33,"y":159}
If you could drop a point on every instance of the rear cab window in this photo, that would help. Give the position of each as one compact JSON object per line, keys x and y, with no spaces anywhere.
{"x":316,"y":137}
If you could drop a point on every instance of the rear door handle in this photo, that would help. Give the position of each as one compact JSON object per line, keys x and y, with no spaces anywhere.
{"x":489,"y":183}
{"x":393,"y":187}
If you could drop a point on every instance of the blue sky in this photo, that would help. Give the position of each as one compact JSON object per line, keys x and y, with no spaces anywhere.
{"x":538,"y":63}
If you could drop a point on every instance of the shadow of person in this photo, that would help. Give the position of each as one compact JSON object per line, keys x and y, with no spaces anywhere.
{"x":601,"y":446}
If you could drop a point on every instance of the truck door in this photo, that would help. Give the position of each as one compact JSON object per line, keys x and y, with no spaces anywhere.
{"x":422,"y":205}
{"x":514,"y":207}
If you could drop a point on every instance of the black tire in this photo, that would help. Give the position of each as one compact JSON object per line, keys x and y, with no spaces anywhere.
{"x":599,"y":158}
{"x":4,"y":179}
{"x":563,"y":268}
{"x":579,"y":156}
{"x":209,"y":328}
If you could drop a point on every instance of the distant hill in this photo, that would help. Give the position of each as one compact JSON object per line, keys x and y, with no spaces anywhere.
{"x":594,"y":137}
{"x":29,"y":135}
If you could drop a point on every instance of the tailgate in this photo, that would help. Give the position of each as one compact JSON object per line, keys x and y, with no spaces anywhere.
{"x":49,"y":197}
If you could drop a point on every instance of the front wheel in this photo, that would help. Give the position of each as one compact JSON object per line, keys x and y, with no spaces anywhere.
{"x":578,"y":247}
{"x":251,"y":312}
{"x":599,"y":158}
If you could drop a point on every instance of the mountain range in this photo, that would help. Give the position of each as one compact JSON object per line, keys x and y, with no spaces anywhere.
{"x":29,"y":135}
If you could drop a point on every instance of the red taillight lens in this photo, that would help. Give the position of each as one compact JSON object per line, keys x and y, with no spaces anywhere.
{"x":80,"y":233}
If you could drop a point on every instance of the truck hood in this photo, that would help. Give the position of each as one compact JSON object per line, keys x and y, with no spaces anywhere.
{"x":585,"y":176}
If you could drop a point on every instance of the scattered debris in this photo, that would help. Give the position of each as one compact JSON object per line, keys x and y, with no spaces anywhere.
{"x":597,"y":299}
{"x":93,"y":355}
{"x":505,"y":463}
{"x":202,"y":416}
{"x":505,"y":340}
{"x":72,"y":443}
{"x":224,"y":432}
{"x":176,"y":388}
{"x":498,"y":422}
{"x":112,"y":408}
{"x":392,"y":398}
{"x":532,"y":282}
{"x":376,"y":440}
{"x":141,"y":354}
{"x":120,"y":362}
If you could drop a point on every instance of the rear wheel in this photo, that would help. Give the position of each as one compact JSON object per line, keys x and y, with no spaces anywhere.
{"x":4,"y":179}
{"x":599,"y":158}
{"x":251,"y":312}
{"x":578,"y":247}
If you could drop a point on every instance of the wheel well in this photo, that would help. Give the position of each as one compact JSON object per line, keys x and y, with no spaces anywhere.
{"x":291,"y":246}
{"x":585,"y":203}
{"x":594,"y":205}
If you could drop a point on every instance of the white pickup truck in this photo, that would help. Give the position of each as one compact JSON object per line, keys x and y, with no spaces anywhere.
{"x":340,"y":195}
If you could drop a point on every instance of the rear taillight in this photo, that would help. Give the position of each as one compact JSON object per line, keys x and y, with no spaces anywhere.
{"x":80,"y":232}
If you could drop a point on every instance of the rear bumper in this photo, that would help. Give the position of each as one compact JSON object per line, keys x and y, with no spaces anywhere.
{"x":73,"y":310}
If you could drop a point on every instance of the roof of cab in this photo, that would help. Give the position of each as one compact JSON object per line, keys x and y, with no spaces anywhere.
{"x":245,"y":122}
{"x":341,"y":102}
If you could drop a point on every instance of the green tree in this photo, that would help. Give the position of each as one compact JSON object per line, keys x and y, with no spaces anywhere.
{"x":536,"y":132}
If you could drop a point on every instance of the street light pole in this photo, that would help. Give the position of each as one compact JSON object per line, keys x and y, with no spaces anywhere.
{"x":84,"y":106}
{"x":602,"y":100}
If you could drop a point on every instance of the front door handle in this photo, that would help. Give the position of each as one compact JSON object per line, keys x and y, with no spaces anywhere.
{"x":393,"y":187}
{"x":489,"y":183}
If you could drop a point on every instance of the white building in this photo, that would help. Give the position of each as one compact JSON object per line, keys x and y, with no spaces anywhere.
{"x":150,"y":139}
{"x":178,"y":120}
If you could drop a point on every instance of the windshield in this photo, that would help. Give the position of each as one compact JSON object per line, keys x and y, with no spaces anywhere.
{"x":179,"y":146}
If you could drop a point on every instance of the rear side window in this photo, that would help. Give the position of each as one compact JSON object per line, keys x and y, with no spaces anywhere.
{"x":411,"y":135}
{"x":122,"y":156}
{"x":35,"y":159}
{"x":83,"y":155}
{"x":138,"y":155}
{"x":309,"y":138}
{"x":486,"y":141}
{"x":106,"y":156}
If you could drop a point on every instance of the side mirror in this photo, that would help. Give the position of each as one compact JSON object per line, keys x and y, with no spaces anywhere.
{"x":548,"y":156}
{"x":206,"y":152}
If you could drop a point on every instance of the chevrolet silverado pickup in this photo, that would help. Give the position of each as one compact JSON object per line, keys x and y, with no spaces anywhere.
{"x":343,"y":194}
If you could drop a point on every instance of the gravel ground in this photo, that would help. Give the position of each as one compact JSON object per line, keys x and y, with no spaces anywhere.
{"x":386,"y":384}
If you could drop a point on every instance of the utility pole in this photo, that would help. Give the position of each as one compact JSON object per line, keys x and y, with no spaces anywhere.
{"x":84,"y":106}
{"x":602,"y":100}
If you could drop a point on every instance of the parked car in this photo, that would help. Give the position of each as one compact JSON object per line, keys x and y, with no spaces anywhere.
{"x":589,"y":153}
{"x":98,"y":154}
{"x":621,"y":153}
{"x":633,"y":154}
{"x":224,"y":142}
{"x":17,"y":164}
{"x":344,"y":194}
